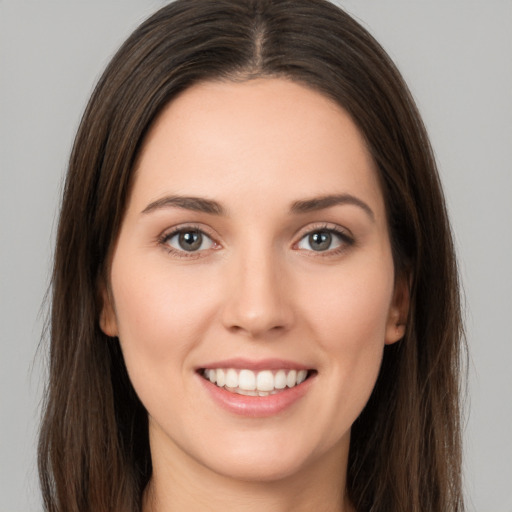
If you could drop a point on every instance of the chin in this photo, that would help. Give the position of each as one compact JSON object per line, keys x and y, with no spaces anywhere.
{"x":261,"y":459}
{"x":258,"y":468}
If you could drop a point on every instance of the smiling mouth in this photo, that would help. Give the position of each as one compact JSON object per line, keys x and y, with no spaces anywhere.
{"x":260,"y":383}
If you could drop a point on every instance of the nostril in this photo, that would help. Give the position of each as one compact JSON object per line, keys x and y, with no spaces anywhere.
{"x":256,"y":304}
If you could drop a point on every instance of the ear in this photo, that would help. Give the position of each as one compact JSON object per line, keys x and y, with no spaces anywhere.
{"x":108,"y":321}
{"x":398,"y":312}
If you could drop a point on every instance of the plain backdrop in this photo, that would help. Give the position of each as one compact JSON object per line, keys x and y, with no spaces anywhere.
{"x":456,"y":56}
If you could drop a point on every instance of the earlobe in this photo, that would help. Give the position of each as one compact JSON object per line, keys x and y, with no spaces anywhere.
{"x":395,"y":332}
{"x":398,"y":313}
{"x":107,"y":320}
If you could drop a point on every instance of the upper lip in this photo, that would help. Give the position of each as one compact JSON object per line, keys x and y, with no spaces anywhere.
{"x":256,"y":365}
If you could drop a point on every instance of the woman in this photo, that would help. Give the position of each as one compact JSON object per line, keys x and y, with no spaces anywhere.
{"x":255,"y":298}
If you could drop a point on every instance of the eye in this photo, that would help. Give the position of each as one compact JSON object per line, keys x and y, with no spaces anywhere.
{"x":188,"y":240}
{"x":323,"y":240}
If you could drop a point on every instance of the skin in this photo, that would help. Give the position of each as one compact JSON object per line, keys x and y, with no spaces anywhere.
{"x":255,"y":289}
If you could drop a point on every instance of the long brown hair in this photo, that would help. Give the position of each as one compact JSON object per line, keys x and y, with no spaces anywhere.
{"x":405,"y":452}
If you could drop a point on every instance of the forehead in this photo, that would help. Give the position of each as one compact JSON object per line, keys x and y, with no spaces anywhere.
{"x":264,"y":139}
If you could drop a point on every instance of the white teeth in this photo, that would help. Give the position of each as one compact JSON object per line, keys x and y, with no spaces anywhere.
{"x":221,"y":377}
{"x":231,"y":378}
{"x":247,"y":382}
{"x":291,"y":378}
{"x":280,"y":379}
{"x":265,"y":381}
{"x":246,"y":392}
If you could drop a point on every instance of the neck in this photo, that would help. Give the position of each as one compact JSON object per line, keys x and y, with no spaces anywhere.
{"x":180,"y":483}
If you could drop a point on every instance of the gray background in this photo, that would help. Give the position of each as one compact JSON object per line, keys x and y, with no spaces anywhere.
{"x":456,"y":57}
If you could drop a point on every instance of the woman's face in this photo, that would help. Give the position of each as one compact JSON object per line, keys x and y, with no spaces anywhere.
{"x":254,"y":253}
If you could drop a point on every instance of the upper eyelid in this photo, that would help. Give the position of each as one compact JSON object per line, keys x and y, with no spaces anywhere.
{"x":169,"y":232}
{"x":323,"y":226}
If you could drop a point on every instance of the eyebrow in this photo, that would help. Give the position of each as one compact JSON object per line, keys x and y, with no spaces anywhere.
{"x":323,"y":202}
{"x":197,"y":204}
{"x":201,"y":204}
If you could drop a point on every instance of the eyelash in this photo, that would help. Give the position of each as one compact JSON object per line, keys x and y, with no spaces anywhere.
{"x":163,"y":240}
{"x":346,"y":241}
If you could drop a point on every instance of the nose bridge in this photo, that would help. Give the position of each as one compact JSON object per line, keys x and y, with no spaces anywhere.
{"x":257,"y":301}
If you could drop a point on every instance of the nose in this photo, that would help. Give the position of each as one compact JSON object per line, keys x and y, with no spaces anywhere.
{"x":258,"y":299}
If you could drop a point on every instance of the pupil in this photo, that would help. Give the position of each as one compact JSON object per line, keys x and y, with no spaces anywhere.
{"x":190,"y":240}
{"x":320,"y":241}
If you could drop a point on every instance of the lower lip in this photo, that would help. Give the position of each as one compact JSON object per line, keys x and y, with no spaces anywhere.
{"x":257,"y":406}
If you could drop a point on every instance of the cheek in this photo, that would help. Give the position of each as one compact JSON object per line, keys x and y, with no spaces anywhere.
{"x":160,"y":315}
{"x":353,"y":305}
{"x":348,"y":318}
